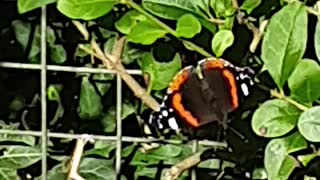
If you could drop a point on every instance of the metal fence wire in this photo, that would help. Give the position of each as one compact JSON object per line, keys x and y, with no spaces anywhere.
{"x":44,"y":134}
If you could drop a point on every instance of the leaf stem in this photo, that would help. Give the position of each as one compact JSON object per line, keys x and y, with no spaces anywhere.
{"x":167,"y":28}
{"x":278,"y":95}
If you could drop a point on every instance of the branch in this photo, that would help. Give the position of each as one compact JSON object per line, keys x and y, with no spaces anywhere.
{"x":114,"y":62}
{"x":76,"y":157}
{"x":175,"y":171}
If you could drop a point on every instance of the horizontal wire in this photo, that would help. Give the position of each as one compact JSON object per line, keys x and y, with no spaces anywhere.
{"x":108,"y":138}
{"x":64,"y":68}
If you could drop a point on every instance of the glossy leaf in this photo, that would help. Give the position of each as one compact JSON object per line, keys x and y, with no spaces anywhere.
{"x":275,"y":118}
{"x":85,"y":9}
{"x":146,"y":32}
{"x":173,"y":9}
{"x":160,"y":74}
{"x":128,"y":21}
{"x":304,"y":82}
{"x":143,"y":171}
{"x":250,"y":5}
{"x":22,"y":32}
{"x":221,"y":41}
{"x":28,"y":5}
{"x":102,"y":82}
{"x":90,"y":169}
{"x":90,"y":102}
{"x":8,"y":174}
{"x":17,"y":157}
{"x":278,"y":163}
{"x":309,"y":125}
{"x":222,"y":8}
{"x":29,"y":140}
{"x":188,"y":26}
{"x":102,"y":148}
{"x":167,"y":150}
{"x":285,"y":41}
{"x":305,"y":159}
{"x":317,"y":40}
{"x":58,"y":54}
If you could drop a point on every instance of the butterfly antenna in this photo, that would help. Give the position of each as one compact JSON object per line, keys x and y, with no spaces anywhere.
{"x":242,"y":137}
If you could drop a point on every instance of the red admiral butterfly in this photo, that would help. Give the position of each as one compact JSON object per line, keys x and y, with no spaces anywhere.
{"x":202,"y":95}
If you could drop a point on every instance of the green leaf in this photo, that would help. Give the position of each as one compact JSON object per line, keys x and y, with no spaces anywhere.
{"x":28,"y":5}
{"x":22,"y":32}
{"x":317,"y":40}
{"x":167,"y":150}
{"x":222,"y":8}
{"x":53,"y":93}
{"x":259,"y":173}
{"x":17,"y":157}
{"x":97,"y":169}
{"x":160,"y":74}
{"x":58,"y":54}
{"x":128,"y":150}
{"x":309,"y":124}
{"x":109,"y":119}
{"x":143,"y":171}
{"x":285,"y":41}
{"x":110,"y":45}
{"x":90,"y":102}
{"x":275,"y":118}
{"x":102,"y":82}
{"x":188,"y":26}
{"x":277,"y":161}
{"x":173,"y":9}
{"x":29,"y":140}
{"x":8,"y":174}
{"x":90,"y":169}
{"x":305,"y":159}
{"x":208,"y":25}
{"x":130,"y":53}
{"x":221,"y":41}
{"x":102,"y":148}
{"x":210,"y":164}
{"x":250,"y":5}
{"x":146,"y":33}
{"x":304,"y":82}
{"x":81,"y":53}
{"x":128,"y":21}
{"x":85,"y":9}
{"x":17,"y":103}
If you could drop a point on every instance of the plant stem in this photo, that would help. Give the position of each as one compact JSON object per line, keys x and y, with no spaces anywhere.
{"x":167,"y":28}
{"x":142,"y":11}
{"x":278,"y":95}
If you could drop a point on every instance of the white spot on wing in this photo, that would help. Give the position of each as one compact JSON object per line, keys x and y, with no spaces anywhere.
{"x":165,"y":113}
{"x":245,"y":89}
{"x":173,"y":123}
{"x":170,"y":110}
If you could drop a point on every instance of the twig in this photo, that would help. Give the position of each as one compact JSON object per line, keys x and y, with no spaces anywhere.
{"x":176,"y":170}
{"x":113,"y":62}
{"x":76,"y":157}
{"x":278,"y":95}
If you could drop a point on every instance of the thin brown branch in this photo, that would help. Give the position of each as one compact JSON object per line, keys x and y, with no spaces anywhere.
{"x":76,"y":157}
{"x":119,"y":48}
{"x":175,"y":171}
{"x":111,"y":62}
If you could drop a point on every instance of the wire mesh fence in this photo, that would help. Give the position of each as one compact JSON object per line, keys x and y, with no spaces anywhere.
{"x":45,"y":135}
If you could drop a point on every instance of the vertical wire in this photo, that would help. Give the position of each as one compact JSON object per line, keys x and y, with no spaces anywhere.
{"x":119,"y":127}
{"x":194,"y":150}
{"x":43,"y":82}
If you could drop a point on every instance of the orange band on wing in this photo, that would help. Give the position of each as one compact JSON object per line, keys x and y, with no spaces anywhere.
{"x":233,"y":86}
{"x":214,"y":64}
{"x":185,"y":114}
{"x":180,"y":79}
